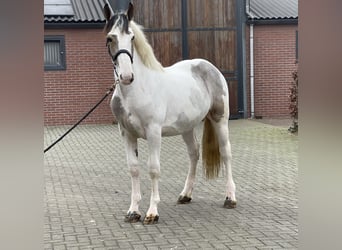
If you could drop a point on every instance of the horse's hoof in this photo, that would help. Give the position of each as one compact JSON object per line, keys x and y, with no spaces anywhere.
{"x":183,"y":199}
{"x":149,"y":220}
{"x":132,"y":217}
{"x":229,"y":203}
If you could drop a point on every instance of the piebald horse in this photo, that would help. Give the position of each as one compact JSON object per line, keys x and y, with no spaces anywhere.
{"x":151,"y":101}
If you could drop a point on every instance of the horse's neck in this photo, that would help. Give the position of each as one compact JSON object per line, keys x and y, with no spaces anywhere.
{"x":139,"y":68}
{"x":143,"y":74}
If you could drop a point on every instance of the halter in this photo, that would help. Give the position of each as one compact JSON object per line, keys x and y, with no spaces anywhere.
{"x":116,"y":55}
{"x":122,"y":51}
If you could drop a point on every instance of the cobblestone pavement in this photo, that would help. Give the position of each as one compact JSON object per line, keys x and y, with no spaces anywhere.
{"x":87,"y":193}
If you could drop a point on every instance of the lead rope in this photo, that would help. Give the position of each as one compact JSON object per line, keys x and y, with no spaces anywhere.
{"x":110,"y":90}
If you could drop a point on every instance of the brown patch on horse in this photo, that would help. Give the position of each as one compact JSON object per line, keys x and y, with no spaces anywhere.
{"x":123,"y":117}
{"x":117,"y":108}
{"x":206,"y":74}
{"x":120,"y":113}
{"x":119,"y":20}
{"x":211,"y":157}
{"x":217,"y":110}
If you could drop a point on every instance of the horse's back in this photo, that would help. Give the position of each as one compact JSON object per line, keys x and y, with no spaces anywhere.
{"x":202,"y":71}
{"x":204,"y":74}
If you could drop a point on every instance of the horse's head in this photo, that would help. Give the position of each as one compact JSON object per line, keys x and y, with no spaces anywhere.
{"x":120,"y":42}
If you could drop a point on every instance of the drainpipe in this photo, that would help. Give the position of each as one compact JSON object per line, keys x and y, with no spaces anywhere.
{"x":251,"y":55}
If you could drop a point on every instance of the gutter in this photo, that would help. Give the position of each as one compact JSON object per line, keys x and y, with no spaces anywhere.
{"x":251,"y":56}
{"x":273,"y":21}
{"x":78,"y":25}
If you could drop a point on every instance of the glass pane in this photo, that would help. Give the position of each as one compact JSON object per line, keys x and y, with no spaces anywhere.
{"x":52,"y":53}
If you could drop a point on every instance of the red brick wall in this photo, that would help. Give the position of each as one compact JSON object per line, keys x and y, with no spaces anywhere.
{"x":274,"y":62}
{"x":70,"y":93}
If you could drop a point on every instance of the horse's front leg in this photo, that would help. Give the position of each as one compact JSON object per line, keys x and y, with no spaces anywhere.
{"x":131,"y":145}
{"x":153,"y":136}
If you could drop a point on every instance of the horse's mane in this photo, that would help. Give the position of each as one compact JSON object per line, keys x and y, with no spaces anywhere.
{"x":144,"y":49}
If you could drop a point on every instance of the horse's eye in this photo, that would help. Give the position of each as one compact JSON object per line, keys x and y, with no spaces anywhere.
{"x":132,"y":38}
{"x":109,"y":40}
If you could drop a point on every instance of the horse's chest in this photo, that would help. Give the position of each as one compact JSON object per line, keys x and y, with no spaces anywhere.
{"x":127,"y":119}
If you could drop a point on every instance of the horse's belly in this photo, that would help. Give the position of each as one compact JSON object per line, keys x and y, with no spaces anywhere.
{"x":184,"y":122}
{"x":186,"y":112}
{"x":170,"y":131}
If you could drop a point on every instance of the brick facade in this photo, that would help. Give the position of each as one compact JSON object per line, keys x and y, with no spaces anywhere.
{"x":70,"y":93}
{"x":274,"y":62}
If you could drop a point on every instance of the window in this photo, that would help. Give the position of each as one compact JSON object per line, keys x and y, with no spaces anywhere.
{"x":54,"y":53}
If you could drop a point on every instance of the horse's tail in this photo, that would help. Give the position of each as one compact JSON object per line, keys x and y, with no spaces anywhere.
{"x":211,"y":158}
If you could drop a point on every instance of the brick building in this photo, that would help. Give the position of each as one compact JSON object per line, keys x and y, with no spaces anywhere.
{"x":274,"y":25}
{"x":78,"y":69}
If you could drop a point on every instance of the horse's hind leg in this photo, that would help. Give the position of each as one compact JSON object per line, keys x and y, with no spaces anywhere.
{"x":193,"y":151}
{"x":131,"y":145}
{"x":222,"y":132}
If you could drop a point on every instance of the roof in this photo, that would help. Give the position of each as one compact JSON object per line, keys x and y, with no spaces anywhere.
{"x":89,"y":12}
{"x":272,"y":9}
{"x":61,"y":7}
{"x":84,"y":12}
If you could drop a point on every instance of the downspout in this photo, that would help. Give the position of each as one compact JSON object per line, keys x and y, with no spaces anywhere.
{"x":251,"y":57}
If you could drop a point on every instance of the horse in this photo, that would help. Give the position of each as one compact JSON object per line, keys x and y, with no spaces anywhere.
{"x":151,"y":101}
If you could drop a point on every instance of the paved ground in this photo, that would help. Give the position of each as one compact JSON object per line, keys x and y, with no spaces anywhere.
{"x":87,"y":193}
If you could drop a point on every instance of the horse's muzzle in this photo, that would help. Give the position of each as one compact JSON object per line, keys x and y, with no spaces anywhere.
{"x":127,"y":78}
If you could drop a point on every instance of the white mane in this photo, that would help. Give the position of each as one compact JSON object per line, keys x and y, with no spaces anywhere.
{"x":144,"y":49}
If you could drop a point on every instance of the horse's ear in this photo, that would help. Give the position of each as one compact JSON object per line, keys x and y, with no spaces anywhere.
{"x":130,"y":11}
{"x":107,"y":12}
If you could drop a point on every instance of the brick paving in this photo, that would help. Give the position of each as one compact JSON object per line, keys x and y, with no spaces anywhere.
{"x":87,"y":193}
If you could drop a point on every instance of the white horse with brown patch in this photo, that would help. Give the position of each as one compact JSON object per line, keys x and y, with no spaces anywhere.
{"x":151,"y":101}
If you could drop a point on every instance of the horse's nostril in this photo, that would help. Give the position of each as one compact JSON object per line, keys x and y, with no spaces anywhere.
{"x":132,"y":79}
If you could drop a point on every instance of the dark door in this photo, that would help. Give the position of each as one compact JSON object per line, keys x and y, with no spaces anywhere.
{"x":185,"y":29}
